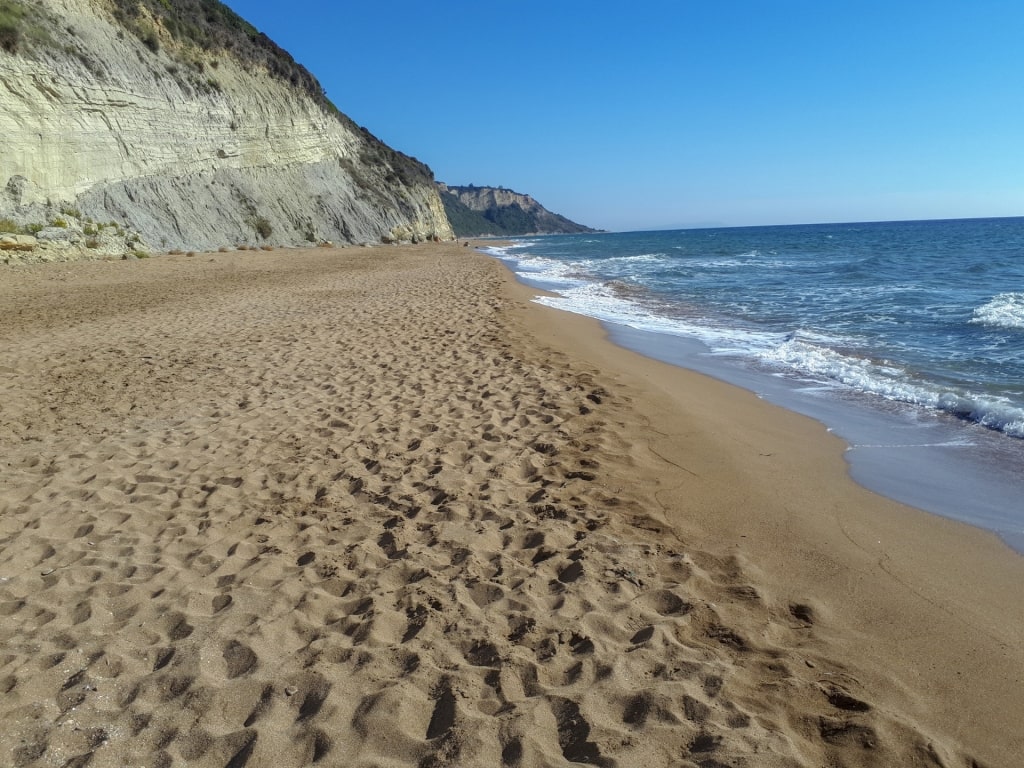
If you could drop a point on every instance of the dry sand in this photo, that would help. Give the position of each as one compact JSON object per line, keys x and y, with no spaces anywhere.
{"x":368,"y":507}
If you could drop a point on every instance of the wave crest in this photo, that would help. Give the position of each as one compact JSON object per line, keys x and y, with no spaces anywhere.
{"x":894,"y":383}
{"x":1004,"y":311}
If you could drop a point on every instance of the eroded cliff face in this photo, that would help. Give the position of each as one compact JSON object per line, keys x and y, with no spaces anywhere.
{"x":192,"y":155}
{"x":485,"y":198}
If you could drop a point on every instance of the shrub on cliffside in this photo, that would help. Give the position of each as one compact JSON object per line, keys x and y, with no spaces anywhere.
{"x":23,"y":25}
{"x":11,"y":16}
{"x":263,"y":228}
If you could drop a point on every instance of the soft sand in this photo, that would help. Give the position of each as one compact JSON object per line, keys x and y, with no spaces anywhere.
{"x":371,"y":508}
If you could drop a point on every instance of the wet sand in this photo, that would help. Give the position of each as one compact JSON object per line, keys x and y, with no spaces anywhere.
{"x":371,"y":507}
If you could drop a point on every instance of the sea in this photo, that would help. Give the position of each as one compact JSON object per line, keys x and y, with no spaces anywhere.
{"x":904,"y":338}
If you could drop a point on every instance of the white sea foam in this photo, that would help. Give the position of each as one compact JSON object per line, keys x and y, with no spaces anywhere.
{"x":606,"y":301}
{"x":508,"y":250}
{"x":805,"y":353}
{"x":761,"y":261}
{"x":1004,"y":311}
{"x":640,"y":257}
{"x":855,"y":372}
{"x":893,"y":383}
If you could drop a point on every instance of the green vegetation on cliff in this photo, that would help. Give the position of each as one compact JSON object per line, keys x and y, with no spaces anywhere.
{"x":11,"y":15}
{"x":21,"y":23}
{"x":466,"y":222}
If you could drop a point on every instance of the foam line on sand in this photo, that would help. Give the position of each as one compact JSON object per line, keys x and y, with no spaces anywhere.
{"x":370,"y":507}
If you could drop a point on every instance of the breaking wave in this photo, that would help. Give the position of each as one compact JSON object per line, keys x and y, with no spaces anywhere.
{"x":1004,"y":311}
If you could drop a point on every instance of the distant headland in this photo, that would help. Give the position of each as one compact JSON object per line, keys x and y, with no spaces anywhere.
{"x":475,"y":211}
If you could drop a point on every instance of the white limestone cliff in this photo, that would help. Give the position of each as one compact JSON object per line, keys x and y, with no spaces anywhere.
{"x":213,"y":153}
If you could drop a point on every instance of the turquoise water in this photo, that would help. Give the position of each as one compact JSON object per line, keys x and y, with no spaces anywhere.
{"x":875,"y":329}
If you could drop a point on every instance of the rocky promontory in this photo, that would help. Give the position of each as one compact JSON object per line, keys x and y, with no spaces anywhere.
{"x":474,"y":210}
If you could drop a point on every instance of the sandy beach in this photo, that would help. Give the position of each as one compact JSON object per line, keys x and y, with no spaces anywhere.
{"x":372,"y":507}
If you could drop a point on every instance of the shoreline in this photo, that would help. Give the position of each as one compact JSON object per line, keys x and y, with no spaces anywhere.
{"x":374,"y":505}
{"x":928,"y":473}
{"x":926,"y":459}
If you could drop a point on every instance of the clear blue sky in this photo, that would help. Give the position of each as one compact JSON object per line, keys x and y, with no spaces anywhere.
{"x":654,"y":114}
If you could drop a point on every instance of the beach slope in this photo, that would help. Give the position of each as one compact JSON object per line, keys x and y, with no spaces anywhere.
{"x":371,"y":507}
